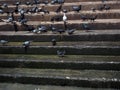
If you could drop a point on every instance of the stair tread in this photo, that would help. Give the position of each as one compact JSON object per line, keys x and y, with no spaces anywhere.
{"x":92,"y":57}
{"x":74,"y":3}
{"x":99,"y":21}
{"x":71,"y":13}
{"x":17,"y":86}
{"x":77,"y":21}
{"x":69,"y":22}
{"x":64,"y":44}
{"x":54,"y":58}
{"x":77,"y":32}
{"x":60,"y":73}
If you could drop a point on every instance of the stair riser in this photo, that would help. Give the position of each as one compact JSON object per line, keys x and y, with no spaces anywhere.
{"x":23,"y":1}
{"x":59,"y":81}
{"x":48,"y":38}
{"x":69,"y":7}
{"x":58,"y":65}
{"x":20,"y":75}
{"x":69,"y":16}
{"x":78,"y":26}
{"x":84,"y":7}
{"x":69,"y":50}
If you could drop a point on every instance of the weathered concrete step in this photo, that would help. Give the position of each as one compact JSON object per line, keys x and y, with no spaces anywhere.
{"x":55,"y":58}
{"x":99,"y":24}
{"x":68,"y":6}
{"x":112,"y":14}
{"x":84,"y":78}
{"x":68,"y":43}
{"x":66,"y":1}
{"x":70,"y":50}
{"x":75,"y":62}
{"x":16,"y":86}
{"x":92,"y":35}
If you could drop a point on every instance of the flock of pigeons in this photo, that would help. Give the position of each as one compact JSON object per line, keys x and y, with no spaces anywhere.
{"x":42,"y":28}
{"x":22,"y":12}
{"x":26,"y":45}
{"x":4,"y":8}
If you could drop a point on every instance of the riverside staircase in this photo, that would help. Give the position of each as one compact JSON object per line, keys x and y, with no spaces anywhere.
{"x":92,"y":58}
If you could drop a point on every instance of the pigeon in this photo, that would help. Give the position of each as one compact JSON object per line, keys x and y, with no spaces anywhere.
{"x":64,"y":17}
{"x":53,"y":1}
{"x":52,"y":28}
{"x":5,"y":5}
{"x":17,"y":3}
{"x":60,"y":1}
{"x":45,"y":2}
{"x":29,"y":28}
{"x":34,"y":9}
{"x":64,"y":11}
{"x":21,"y":11}
{"x":1,"y":11}
{"x":45,"y":11}
{"x":101,"y":8}
{"x":103,"y":1}
{"x":35,"y":31}
{"x":36,"y":2}
{"x":64,"y":20}
{"x":61,"y":53}
{"x":93,"y":9}
{"x":56,"y":18}
{"x":86,"y":27}
{"x":92,"y":18}
{"x":42,"y":28}
{"x":23,"y":21}
{"x":15,"y":26}
{"x":76,"y":8}
{"x":3,"y":42}
{"x":16,"y":9}
{"x":26,"y":45}
{"x":61,"y":31}
{"x":107,"y":7}
{"x":53,"y":42}
{"x":27,"y":3}
{"x":83,"y":17}
{"x":57,"y":1}
{"x":10,"y":19}
{"x":59,"y":9}
{"x":70,"y":31}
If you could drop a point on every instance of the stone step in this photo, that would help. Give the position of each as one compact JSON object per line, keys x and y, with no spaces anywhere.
{"x":17,"y":86}
{"x":112,"y":14}
{"x":68,"y":6}
{"x":70,"y":50}
{"x":68,"y":43}
{"x":66,"y":1}
{"x":75,"y":62}
{"x":92,"y":35}
{"x":91,"y":59}
{"x":84,"y":78}
{"x":99,"y":24}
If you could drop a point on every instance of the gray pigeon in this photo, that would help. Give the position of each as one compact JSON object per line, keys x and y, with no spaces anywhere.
{"x":3,"y":42}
